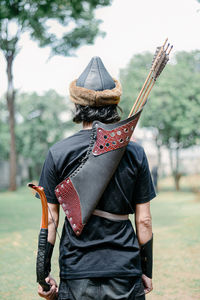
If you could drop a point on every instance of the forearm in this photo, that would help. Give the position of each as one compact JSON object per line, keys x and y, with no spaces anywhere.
{"x":51,"y":233}
{"x":53,"y":221}
{"x":144,"y":233}
{"x":144,"y":229}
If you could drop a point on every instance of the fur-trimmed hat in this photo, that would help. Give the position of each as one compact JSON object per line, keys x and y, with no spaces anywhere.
{"x":95,"y":86}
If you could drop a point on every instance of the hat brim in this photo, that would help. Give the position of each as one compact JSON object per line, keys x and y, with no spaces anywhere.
{"x":84,"y":97}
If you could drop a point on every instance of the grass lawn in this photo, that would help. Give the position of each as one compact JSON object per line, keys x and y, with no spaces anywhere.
{"x":176,"y":222}
{"x":176,"y":226}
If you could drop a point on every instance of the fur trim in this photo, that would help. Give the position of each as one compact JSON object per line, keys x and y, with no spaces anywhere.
{"x":83,"y":96}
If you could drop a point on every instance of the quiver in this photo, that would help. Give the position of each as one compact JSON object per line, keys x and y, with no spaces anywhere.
{"x":80,"y":193}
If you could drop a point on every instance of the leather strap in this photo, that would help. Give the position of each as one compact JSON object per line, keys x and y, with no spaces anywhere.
{"x":107,"y":215}
{"x":146,"y":253}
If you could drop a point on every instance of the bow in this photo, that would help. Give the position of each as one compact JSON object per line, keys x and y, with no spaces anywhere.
{"x":45,"y":249}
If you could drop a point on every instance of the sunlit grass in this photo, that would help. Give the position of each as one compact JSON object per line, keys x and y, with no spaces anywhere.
{"x":176,"y":226}
{"x":187,"y":183}
{"x":20,"y":214}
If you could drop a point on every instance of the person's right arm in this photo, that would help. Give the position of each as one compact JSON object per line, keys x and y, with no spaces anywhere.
{"x":53,"y":221}
{"x":143,"y":225}
{"x":49,"y":179}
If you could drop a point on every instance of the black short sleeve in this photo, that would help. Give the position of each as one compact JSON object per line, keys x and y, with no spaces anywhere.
{"x":144,"y":189}
{"x":48,"y":179}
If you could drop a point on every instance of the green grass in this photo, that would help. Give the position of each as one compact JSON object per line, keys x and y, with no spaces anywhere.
{"x":176,"y":223}
{"x":20,"y":215}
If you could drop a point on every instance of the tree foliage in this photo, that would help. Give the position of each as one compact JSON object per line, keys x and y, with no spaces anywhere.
{"x":132,"y":78}
{"x":174,"y":103}
{"x":42,"y":121}
{"x":78,"y":27}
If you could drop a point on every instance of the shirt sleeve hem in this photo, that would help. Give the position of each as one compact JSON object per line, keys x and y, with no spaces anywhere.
{"x":49,"y":199}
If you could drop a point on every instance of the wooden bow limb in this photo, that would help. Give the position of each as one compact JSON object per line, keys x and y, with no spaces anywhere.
{"x":42,"y":265}
{"x":40,"y":191}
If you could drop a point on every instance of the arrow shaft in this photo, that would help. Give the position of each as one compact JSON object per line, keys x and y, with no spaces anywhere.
{"x":143,"y":95}
{"x":146,"y":84}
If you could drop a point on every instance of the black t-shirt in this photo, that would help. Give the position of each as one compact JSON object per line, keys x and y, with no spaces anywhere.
{"x":105,"y":248}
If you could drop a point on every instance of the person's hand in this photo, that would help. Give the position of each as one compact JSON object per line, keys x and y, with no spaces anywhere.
{"x":53,"y":293}
{"x":147,"y":282}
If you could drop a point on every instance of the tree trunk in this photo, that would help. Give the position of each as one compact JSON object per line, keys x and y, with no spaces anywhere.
{"x":11,"y":109}
{"x":177,"y":174}
{"x":30,"y":173}
{"x":171,"y":160}
{"x":175,"y":167}
{"x":158,"y":145}
{"x":159,"y":155}
{"x":177,"y":178}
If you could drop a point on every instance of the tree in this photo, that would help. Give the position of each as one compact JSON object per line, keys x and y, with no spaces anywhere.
{"x":174,"y":104}
{"x":42,"y":121}
{"x":33,"y":16}
{"x":4,"y":129}
{"x":132,"y":78}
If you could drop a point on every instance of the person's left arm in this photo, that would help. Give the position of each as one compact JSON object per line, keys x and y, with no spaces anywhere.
{"x":143,"y":226}
{"x":144,"y":192}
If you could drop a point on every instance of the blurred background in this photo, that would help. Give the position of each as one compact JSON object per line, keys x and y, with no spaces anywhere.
{"x":44,"y":45}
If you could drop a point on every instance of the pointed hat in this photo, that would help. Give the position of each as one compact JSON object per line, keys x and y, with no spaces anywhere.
{"x":95,"y":86}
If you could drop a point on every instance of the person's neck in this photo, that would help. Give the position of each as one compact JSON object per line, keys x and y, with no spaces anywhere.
{"x":87,"y":125}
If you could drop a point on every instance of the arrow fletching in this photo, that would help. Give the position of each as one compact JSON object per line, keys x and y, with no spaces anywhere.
{"x":160,"y":59}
